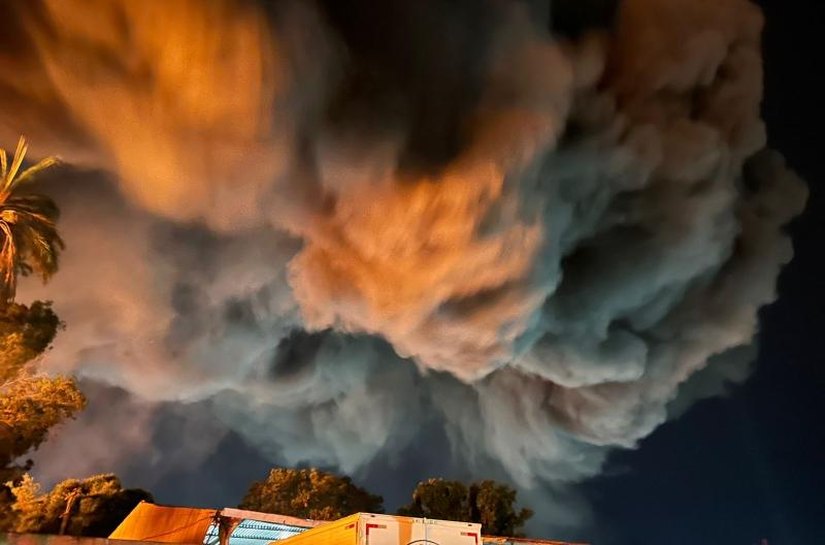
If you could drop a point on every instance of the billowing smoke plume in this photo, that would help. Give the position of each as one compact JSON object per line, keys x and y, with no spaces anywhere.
{"x":337,"y":224}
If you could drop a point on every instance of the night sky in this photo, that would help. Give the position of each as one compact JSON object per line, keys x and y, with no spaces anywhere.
{"x":751,"y":466}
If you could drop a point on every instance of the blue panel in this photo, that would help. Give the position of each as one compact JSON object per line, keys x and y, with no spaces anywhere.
{"x":253,"y":532}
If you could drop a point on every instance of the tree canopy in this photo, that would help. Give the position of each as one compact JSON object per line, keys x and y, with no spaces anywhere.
{"x":311,"y":494}
{"x":30,"y":404}
{"x":30,"y":242}
{"x":25,"y":333}
{"x":87,"y":507}
{"x":488,"y":502}
{"x":30,"y":407}
{"x":439,"y":499}
{"x":494,"y":506}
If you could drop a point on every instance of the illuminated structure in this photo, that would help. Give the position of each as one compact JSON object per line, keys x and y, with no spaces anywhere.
{"x":192,"y":526}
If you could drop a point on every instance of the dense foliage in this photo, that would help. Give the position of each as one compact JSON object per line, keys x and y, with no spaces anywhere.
{"x":310,"y":493}
{"x":439,"y":499}
{"x":30,"y":404}
{"x":319,"y":495}
{"x":25,"y":333}
{"x":30,"y":242}
{"x":88,"y":507}
{"x":29,"y":407}
{"x":490,"y":503}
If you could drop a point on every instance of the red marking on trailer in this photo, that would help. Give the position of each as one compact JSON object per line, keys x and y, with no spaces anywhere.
{"x":472,"y":535}
{"x":371,"y":526}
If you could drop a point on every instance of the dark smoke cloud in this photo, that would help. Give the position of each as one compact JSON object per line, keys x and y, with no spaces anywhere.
{"x":538,"y":228}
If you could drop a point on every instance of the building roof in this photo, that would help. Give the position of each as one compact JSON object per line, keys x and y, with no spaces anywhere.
{"x":256,"y":528}
{"x":150,"y":522}
{"x":191,"y":526}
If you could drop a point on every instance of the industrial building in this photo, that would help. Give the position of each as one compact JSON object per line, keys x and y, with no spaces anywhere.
{"x":183,"y":525}
{"x":151,"y":524}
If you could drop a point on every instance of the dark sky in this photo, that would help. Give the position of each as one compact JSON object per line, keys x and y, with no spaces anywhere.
{"x":751,"y":466}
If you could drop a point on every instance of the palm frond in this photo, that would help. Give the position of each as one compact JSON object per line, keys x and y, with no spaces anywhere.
{"x":30,"y":212}
{"x":16,"y":161}
{"x":8,"y":176}
{"x":30,"y":242}
{"x":41,"y":248}
{"x":34,"y":170}
{"x":8,"y":263}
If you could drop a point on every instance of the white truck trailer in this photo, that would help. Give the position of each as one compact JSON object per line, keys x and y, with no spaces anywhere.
{"x":370,"y":529}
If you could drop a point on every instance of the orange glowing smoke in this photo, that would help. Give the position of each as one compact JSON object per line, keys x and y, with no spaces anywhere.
{"x":440,"y":265}
{"x":191,"y":104}
{"x":401,"y":258}
{"x":178,"y":95}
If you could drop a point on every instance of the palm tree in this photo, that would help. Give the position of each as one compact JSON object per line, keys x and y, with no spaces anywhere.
{"x":30,"y":242}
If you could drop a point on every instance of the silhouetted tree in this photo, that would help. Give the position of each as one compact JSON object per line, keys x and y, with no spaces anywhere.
{"x":490,"y":503}
{"x":80,"y":507}
{"x":30,"y":404}
{"x":494,"y":506}
{"x":439,"y":499}
{"x":311,"y":494}
{"x":25,"y":333}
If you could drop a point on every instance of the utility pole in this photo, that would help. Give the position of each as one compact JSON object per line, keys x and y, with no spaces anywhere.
{"x":226,"y":525}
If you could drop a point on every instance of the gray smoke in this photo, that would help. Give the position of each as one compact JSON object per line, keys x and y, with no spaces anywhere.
{"x":338,"y":226}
